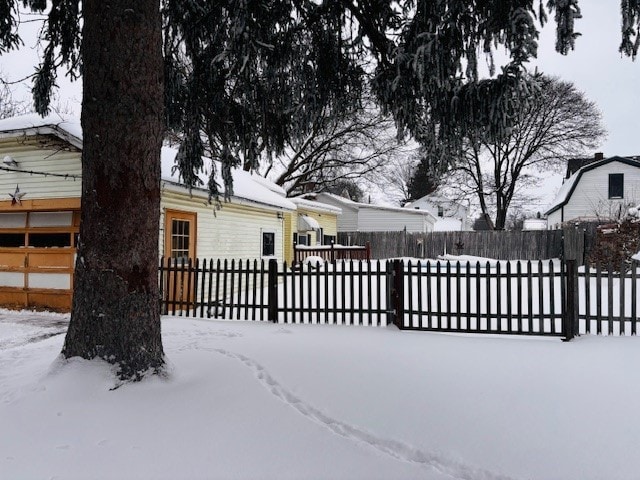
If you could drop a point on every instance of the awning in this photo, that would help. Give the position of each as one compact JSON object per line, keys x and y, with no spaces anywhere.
{"x":306,"y":223}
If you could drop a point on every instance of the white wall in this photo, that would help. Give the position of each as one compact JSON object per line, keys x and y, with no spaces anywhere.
{"x":378,"y":220}
{"x":451,"y":209}
{"x":590,"y":199}
{"x":40,"y":155}
{"x":233,"y":232}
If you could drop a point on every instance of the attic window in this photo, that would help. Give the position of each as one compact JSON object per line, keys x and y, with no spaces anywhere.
{"x":616,"y":185}
{"x":440,"y":211}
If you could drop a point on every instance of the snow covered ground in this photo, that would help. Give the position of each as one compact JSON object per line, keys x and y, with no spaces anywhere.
{"x":255,"y":400}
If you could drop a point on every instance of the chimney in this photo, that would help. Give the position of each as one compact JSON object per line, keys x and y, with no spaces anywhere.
{"x":598,"y":156}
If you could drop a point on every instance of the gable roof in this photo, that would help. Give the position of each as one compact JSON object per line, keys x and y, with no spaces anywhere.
{"x":433,"y":200}
{"x":66,"y":128}
{"x":315,"y":206}
{"x":246,"y":185}
{"x":568,"y":187}
{"x":346,"y":203}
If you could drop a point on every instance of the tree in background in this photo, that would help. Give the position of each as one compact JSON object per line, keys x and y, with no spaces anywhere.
{"x":8,"y":106}
{"x":423,"y":181}
{"x":557,"y":123}
{"x":352,"y":145}
{"x":347,"y":189}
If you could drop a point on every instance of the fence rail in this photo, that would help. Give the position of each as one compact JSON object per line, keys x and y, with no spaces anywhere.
{"x":609,"y":301}
{"x":522,"y":298}
{"x":330,"y":253}
{"x":549,"y":298}
{"x":214,"y":289}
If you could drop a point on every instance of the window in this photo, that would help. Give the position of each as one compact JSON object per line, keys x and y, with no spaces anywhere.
{"x":329,"y":239}
{"x":43,"y":240}
{"x":12,"y":239}
{"x":180,"y":235}
{"x":301,"y":239}
{"x":616,"y":185}
{"x":268,"y":244}
{"x":319,"y":235}
{"x":180,"y":232}
{"x":440,"y":211}
{"x":39,"y":229}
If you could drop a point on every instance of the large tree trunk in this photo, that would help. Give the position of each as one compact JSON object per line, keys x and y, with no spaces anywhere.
{"x":115,"y":314}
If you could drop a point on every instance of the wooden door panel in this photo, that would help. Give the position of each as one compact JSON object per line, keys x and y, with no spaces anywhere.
{"x":180,"y":247}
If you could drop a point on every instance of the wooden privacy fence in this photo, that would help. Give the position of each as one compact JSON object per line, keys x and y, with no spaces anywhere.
{"x":568,"y":244}
{"x":549,"y":298}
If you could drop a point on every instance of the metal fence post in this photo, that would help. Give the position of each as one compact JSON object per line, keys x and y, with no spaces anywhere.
{"x":570,"y":313}
{"x":397,"y":294}
{"x":272,"y":295}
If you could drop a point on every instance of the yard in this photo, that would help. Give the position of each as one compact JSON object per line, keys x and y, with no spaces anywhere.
{"x":265,"y":401}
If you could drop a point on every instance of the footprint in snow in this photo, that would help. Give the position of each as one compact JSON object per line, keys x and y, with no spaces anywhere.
{"x":398,"y":450}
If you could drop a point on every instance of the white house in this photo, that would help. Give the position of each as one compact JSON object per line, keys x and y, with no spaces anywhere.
{"x":450,"y":215}
{"x":599,"y":191}
{"x":40,"y":176}
{"x":365,"y":217}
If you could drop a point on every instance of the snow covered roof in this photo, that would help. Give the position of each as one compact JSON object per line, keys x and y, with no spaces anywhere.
{"x":247,"y":186}
{"x":345,"y":202}
{"x":431,"y":199}
{"x":67,"y":128}
{"x":316,"y":206}
{"x":567,"y":188}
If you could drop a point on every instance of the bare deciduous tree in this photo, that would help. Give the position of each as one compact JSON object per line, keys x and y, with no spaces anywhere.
{"x":559,"y":122}
{"x":355,"y":146}
{"x":9,"y":107}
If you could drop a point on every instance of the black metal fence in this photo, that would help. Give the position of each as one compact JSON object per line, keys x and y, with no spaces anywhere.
{"x":522,"y":298}
{"x":608,"y":300}
{"x":549,"y":298}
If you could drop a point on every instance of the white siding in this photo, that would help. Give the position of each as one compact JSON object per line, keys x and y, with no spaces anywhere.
{"x":377,"y":220}
{"x":41,"y":155}
{"x":554,"y":219}
{"x":348,"y":219}
{"x":233,"y":232}
{"x":590,"y":199}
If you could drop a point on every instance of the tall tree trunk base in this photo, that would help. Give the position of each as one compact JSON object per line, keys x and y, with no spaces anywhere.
{"x":116,"y":325}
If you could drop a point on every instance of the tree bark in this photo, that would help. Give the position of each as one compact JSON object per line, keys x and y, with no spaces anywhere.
{"x":115,"y":313}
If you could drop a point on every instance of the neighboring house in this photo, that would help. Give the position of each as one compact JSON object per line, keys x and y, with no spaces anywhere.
{"x":598,"y":191}
{"x":313,"y":223}
{"x":40,"y":174}
{"x":365,"y":217}
{"x":450,"y":215}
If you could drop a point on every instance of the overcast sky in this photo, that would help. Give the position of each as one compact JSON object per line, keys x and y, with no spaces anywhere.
{"x":598,"y":69}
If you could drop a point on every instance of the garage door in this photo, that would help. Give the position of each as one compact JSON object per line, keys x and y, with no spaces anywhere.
{"x":37,"y":257}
